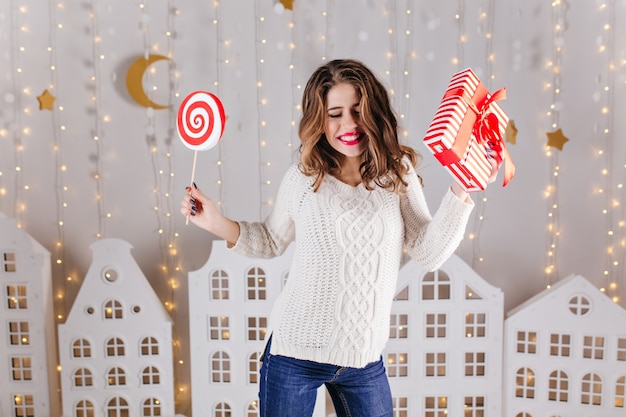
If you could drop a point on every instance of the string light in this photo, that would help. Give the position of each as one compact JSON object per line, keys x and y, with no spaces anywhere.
{"x":559,"y":15}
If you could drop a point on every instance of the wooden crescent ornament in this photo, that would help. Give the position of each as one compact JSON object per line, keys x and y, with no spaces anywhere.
{"x":134,"y":80}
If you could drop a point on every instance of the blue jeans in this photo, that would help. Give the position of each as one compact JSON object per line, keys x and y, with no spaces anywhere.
{"x":288,"y":388}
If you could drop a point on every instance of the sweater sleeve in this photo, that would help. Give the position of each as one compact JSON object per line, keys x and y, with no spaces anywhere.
{"x":431,"y":240}
{"x":271,"y":237}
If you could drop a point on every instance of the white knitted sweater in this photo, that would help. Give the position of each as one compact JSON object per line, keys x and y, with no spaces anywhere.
{"x":336,"y":303}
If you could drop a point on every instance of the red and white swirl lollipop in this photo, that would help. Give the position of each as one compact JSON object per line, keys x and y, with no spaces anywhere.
{"x":200,"y":124}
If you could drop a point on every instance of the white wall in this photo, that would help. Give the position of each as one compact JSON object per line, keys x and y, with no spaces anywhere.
{"x":49,"y":159}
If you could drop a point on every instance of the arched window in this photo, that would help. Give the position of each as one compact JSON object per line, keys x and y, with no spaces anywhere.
{"x":117,"y":407}
{"x":255,"y":284}
{"x":436,"y":286}
{"x":558,"y":386}
{"x":149,"y":346}
{"x":620,"y":387}
{"x":113,"y":310}
{"x":84,"y":408}
{"x":220,"y":367}
{"x":151,"y":408}
{"x":115,"y":347}
{"x":525,"y":383}
{"x":591,"y":389}
{"x":253,"y":409}
{"x":116,"y":376}
{"x":219,"y":285}
{"x":81,"y":348}
{"x":82,"y":378}
{"x":150,"y":376}
{"x":222,"y":410}
{"x":253,"y":368}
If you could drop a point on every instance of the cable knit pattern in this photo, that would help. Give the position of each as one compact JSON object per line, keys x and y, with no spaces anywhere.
{"x":336,"y":303}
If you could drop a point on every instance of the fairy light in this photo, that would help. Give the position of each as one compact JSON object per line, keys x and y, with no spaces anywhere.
{"x":559,"y":11}
{"x":98,"y":130}
{"x":613,"y":268}
{"x":400,"y":24}
{"x":219,"y":61}
{"x":296,"y":88}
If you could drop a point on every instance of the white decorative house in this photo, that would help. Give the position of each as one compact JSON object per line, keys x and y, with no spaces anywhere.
{"x":115,"y":347}
{"x":444,"y":355}
{"x":230,"y":300}
{"x":565,"y":354}
{"x":29,"y":384}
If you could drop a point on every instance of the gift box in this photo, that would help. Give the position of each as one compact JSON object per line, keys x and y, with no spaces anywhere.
{"x":467,"y":132}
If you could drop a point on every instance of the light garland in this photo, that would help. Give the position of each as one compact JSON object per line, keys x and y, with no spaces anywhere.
{"x":604,"y":129}
{"x":486,"y":24}
{"x":559,"y":12}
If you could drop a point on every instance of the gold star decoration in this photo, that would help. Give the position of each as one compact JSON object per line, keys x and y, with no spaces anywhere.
{"x":288,"y":4}
{"x":510,"y":133}
{"x":46,"y":100}
{"x":556,"y":139}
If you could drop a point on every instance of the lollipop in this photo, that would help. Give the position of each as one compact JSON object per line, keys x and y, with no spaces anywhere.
{"x":200,"y":124}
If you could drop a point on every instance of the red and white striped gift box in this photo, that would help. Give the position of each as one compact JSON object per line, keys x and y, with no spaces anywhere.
{"x":452,"y":135}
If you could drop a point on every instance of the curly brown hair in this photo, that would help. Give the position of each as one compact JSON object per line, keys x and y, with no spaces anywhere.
{"x":381,"y":162}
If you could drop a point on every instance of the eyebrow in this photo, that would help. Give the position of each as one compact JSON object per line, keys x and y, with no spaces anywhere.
{"x":340,"y":107}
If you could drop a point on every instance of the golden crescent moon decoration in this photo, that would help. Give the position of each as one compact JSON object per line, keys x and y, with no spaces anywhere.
{"x":134,"y":80}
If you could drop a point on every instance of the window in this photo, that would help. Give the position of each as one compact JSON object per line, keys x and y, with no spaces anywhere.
{"x":16,"y":297}
{"x":621,"y":349}
{"x":8,"y":262}
{"x":253,"y":409}
{"x":475,"y":363}
{"x":116,"y":376}
{"x":398,"y":328}
{"x":436,"y":286}
{"x":19,"y":333}
{"x":84,"y":408}
{"x":593,"y":347}
{"x":435,"y":364}
{"x":257,"y":327}
{"x":620,"y":387}
{"x":436,"y":406}
{"x":151,"y":408}
{"x":220,"y":367}
{"x":82,"y":378}
{"x":470,"y":294}
{"x":219,"y":328}
{"x":560,"y":344}
{"x":219,"y":285}
{"x":81,"y":348}
{"x":474,"y":406}
{"x":579,"y":305}
{"x":397,"y":365}
{"x":400,"y":406}
{"x":117,"y":407}
{"x":150,"y":376}
{"x":475,"y":324}
{"x":21,"y":368}
{"x":525,"y":383}
{"x":436,"y":325}
{"x":115,"y":347}
{"x":527,"y":342}
{"x":402,"y":295}
{"x":113,"y":310}
{"x":253,"y":367}
{"x":591,"y":390}
{"x":149,"y":346}
{"x":558,"y":386}
{"x":23,"y":405}
{"x":256,"y":284}
{"x":222,"y":410}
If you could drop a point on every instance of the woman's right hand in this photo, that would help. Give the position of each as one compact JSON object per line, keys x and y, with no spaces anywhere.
{"x":203,"y":212}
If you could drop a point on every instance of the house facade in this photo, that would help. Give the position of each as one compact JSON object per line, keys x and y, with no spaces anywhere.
{"x":28,"y":376}
{"x":115,"y":347}
{"x":565,"y":354}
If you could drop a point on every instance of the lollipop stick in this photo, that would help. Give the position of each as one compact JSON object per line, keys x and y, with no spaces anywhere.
{"x":193,"y":175}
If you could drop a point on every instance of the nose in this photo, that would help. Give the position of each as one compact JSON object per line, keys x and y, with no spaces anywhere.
{"x":349,"y":121}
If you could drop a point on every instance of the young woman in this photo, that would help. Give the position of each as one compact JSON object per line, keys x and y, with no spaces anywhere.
{"x":352,"y":204}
